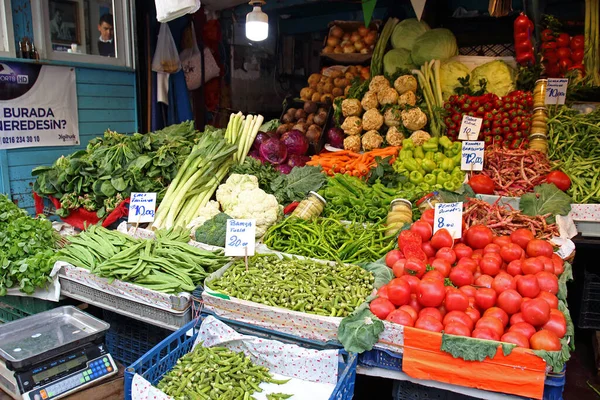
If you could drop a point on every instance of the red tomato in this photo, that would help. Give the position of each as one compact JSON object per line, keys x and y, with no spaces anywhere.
{"x":547,"y":35}
{"x":548,"y":46}
{"x":459,"y":316}
{"x":382,"y":292}
{"x":510,"y":301}
{"x":461,"y":276}
{"x":514,"y":268}
{"x":433,"y":275}
{"x":431,"y":293}
{"x":551,"y":299}
{"x":577,"y":43}
{"x":400,"y":317}
{"x":559,"y":264}
{"x":498,"y":313}
{"x":532,"y":265}
{"x":442,"y":238}
{"x":479,"y":236}
{"x":521,"y":36}
{"x":550,"y":56}
{"x":517,"y":318}
{"x":523,"y":328}
{"x":563,"y":40}
{"x":431,"y":312}
{"x":523,"y":46}
{"x":538,"y":247}
{"x":482,"y":184}
{"x":416,"y":267}
{"x":398,"y":292}
{"x":577,"y":57}
{"x":428,"y":249}
{"x":528,"y":286}
{"x":557,"y":325}
{"x":442,"y":310}
{"x":470,"y":264}
{"x":489,"y":265}
{"x":447,"y":254}
{"x":398,"y":267}
{"x":515,"y":338}
{"x":456,"y":300}
{"x":565,"y":63}
{"x":491,"y":248}
{"x":502,"y":282}
{"x":521,"y":237}
{"x":491,"y":323}
{"x":381,"y":307}
{"x":535,"y":311}
{"x":424,"y":229}
{"x":442,"y":266}
{"x":429,"y":323}
{"x":485,"y":333}
{"x":559,"y":178}
{"x":521,"y":24}
{"x":412,"y":281}
{"x":485,"y":298}
{"x":511,"y":252}
{"x":468,"y":290}
{"x":473,"y":313}
{"x":411,"y":311}
{"x":458,"y":329}
{"x":548,"y":282}
{"x":414,"y":303}
{"x":545,"y":340}
{"x":484,"y":281}
{"x":392,"y":256}
{"x":502,"y":240}
{"x":477,"y":254}
{"x":548,"y":263}
{"x":428,"y":216}
{"x":462,"y":250}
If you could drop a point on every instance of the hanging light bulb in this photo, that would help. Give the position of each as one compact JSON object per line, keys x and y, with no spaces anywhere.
{"x":257,"y":22}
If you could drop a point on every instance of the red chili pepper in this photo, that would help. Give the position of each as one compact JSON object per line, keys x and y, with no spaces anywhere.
{"x":290,"y":207}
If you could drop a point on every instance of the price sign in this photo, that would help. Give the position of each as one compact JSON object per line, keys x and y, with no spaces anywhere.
{"x":472,"y":156}
{"x":449,"y":216}
{"x":141,"y":208}
{"x":240,"y":237}
{"x":556,"y":90}
{"x":469,"y":128}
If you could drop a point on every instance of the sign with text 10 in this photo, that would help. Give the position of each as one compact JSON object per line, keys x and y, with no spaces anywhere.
{"x":240,"y":237}
{"x":469,"y":128}
{"x":472,"y":156}
{"x":556,"y":91}
{"x":141,"y":208}
{"x":449,"y":216}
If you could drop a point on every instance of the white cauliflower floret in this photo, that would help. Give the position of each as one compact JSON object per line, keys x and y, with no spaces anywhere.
{"x":414,"y":119}
{"x":407,"y":98}
{"x":351,"y":107}
{"x":204,"y":214}
{"x":227,"y":193}
{"x":256,"y":204}
{"x":405,"y":83}
{"x":378,"y":83}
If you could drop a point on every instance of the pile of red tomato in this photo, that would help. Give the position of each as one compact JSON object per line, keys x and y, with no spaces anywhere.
{"x":562,"y":53}
{"x":496,"y":288}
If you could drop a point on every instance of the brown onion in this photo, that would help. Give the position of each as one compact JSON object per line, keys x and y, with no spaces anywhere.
{"x":363,"y":31}
{"x":355,"y":37}
{"x":338,"y":49}
{"x":359,"y":45}
{"x":337,"y":32}
{"x":333,"y":41}
{"x":349,"y":49}
{"x":371,"y":38}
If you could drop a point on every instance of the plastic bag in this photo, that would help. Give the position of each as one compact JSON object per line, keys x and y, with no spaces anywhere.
{"x":168,"y":10}
{"x":191,"y":62}
{"x":166,"y":57}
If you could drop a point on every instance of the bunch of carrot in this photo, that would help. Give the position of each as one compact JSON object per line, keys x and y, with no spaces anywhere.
{"x":351,"y":163}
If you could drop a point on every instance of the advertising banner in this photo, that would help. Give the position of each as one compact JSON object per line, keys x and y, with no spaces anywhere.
{"x":38,"y":106}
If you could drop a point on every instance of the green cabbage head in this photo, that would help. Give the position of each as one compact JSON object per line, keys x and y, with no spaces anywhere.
{"x":500,"y":78}
{"x":397,"y":58}
{"x":436,"y":44}
{"x":405,"y":33}
{"x":450,"y":72}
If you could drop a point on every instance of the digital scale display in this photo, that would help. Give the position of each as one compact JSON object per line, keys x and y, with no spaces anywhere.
{"x":59,"y":369}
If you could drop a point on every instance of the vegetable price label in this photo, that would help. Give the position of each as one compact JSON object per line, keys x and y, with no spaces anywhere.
{"x":469,"y":128}
{"x":141,"y":208}
{"x":449,"y":216}
{"x":556,"y":90}
{"x":472,"y":156}
{"x":240,"y":237}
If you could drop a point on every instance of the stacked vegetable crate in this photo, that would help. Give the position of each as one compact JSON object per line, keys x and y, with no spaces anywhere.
{"x":13,"y":308}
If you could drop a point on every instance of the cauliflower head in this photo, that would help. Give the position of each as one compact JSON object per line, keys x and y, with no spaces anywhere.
{"x":228,"y":192}
{"x":352,"y":126}
{"x":369,"y":101}
{"x":372,"y":120}
{"x":407,"y":98}
{"x":419,"y":137}
{"x":352,"y":143}
{"x":256,"y":204}
{"x":414,"y":119}
{"x":371,"y":140}
{"x":392,"y":117}
{"x":405,"y":83}
{"x":351,"y":107}
{"x":394,"y":137}
{"x":387,"y":96}
{"x":378,"y":83}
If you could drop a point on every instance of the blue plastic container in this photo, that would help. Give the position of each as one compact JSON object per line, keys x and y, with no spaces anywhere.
{"x":381,"y":359}
{"x":158,"y":361}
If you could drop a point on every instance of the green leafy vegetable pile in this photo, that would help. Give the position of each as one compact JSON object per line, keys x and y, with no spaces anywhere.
{"x":546,"y":199}
{"x":110,"y":168}
{"x":296,"y":185}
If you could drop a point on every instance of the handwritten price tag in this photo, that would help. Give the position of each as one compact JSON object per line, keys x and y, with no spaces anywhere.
{"x":469,"y":128}
{"x":556,"y":90}
{"x":240,"y":237}
{"x":449,"y":216}
{"x":472,"y":156}
{"x":141,"y":208}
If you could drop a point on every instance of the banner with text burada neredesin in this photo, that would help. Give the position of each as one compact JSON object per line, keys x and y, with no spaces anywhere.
{"x":38,"y":106}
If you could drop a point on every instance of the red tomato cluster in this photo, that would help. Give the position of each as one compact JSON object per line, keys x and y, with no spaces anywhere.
{"x":484,"y":286}
{"x":523,"y":29}
{"x":562,"y":53}
{"x":506,"y":120}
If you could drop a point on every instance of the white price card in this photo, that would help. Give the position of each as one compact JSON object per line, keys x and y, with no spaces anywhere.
{"x":469,"y":128}
{"x":449,"y":216}
{"x":556,"y":91}
{"x":141,"y":208}
{"x":240,"y":237}
{"x":472,"y":155}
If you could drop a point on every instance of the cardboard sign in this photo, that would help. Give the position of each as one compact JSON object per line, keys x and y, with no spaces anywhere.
{"x":556,"y":91}
{"x":240,"y":237}
{"x":469,"y":128}
{"x":449,"y":216}
{"x":472,"y":156}
{"x":141,"y":208}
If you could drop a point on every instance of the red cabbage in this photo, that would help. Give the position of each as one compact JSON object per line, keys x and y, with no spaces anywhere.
{"x":273,"y":150}
{"x":295,"y":141}
{"x":294,"y":160}
{"x":335,"y":137}
{"x":260,"y":138}
{"x":284,"y":168}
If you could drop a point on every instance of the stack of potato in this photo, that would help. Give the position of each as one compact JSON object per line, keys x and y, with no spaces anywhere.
{"x":333,"y":83}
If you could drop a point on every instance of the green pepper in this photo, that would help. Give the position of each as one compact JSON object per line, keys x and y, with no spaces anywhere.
{"x":415,"y":177}
{"x":430,"y":155}
{"x":437,"y":186}
{"x":424,"y":187}
{"x":408,"y":144}
{"x":411,"y":164}
{"x":459,"y":175}
{"x":430,"y":146}
{"x":447,"y":165}
{"x":418,"y":152}
{"x":456,"y":148}
{"x":457,"y":182}
{"x":445,"y":142}
{"x":428,"y":165}
{"x":408,"y":186}
{"x":434,"y":140}
{"x":437,"y":171}
{"x":419,"y":160}
{"x":430,"y":179}
{"x":456,"y":170}
{"x":422,"y":171}
{"x":405,"y":153}
{"x":439,"y":156}
{"x":442,"y":178}
{"x":449,"y":186}
{"x":457,"y":158}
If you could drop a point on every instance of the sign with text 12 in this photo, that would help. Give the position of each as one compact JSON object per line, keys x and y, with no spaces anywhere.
{"x":556,"y":91}
{"x":240,"y":237}
{"x":469,"y":128}
{"x":141,"y":208}
{"x":472,"y":155}
{"x":449,"y":216}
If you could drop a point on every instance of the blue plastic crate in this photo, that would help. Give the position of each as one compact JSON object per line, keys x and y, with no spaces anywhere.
{"x":381,"y":359}
{"x":555,"y":385}
{"x":158,"y":361}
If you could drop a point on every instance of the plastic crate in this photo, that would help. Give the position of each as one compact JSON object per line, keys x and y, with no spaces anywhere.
{"x":555,"y":385}
{"x":13,"y":308}
{"x":129,"y":339}
{"x":589,"y":313}
{"x":381,"y":359}
{"x":142,"y":312}
{"x":152,"y":366}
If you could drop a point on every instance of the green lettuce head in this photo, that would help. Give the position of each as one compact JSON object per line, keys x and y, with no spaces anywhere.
{"x":406,"y":32}
{"x":450,"y":72}
{"x":500,"y":78}
{"x":436,"y":44}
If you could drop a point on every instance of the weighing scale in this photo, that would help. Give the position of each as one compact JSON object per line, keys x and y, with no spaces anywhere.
{"x":53,"y":354}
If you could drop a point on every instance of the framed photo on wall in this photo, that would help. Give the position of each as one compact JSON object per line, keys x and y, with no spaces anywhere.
{"x":64,"y":21}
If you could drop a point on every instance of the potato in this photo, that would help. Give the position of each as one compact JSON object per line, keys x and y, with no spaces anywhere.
{"x":338,"y":50}
{"x":300,"y":114}
{"x":320,"y":88}
{"x":352,"y":69}
{"x":336,"y":92}
{"x":283,"y":128}
{"x":349,"y":76}
{"x":335,"y":74}
{"x":292,"y":111}
{"x":310,"y":107}
{"x":340,"y":82}
{"x":313,"y":86}
{"x":323,"y":79}
{"x":301,"y":121}
{"x":300,"y":127}
{"x":347,"y":90}
{"x":287,"y":118}
{"x":328,"y":49}
{"x":320,"y":119}
{"x":322,"y":110}
{"x":316,"y":96}
{"x":327,"y":88}
{"x":314,"y":78}
{"x":313,"y":134}
{"x":306,"y":93}
{"x":310,"y":119}
{"x":327,"y":98}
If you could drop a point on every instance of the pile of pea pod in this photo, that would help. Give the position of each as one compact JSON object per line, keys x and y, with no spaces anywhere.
{"x":329,"y":239}
{"x":299,"y":285}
